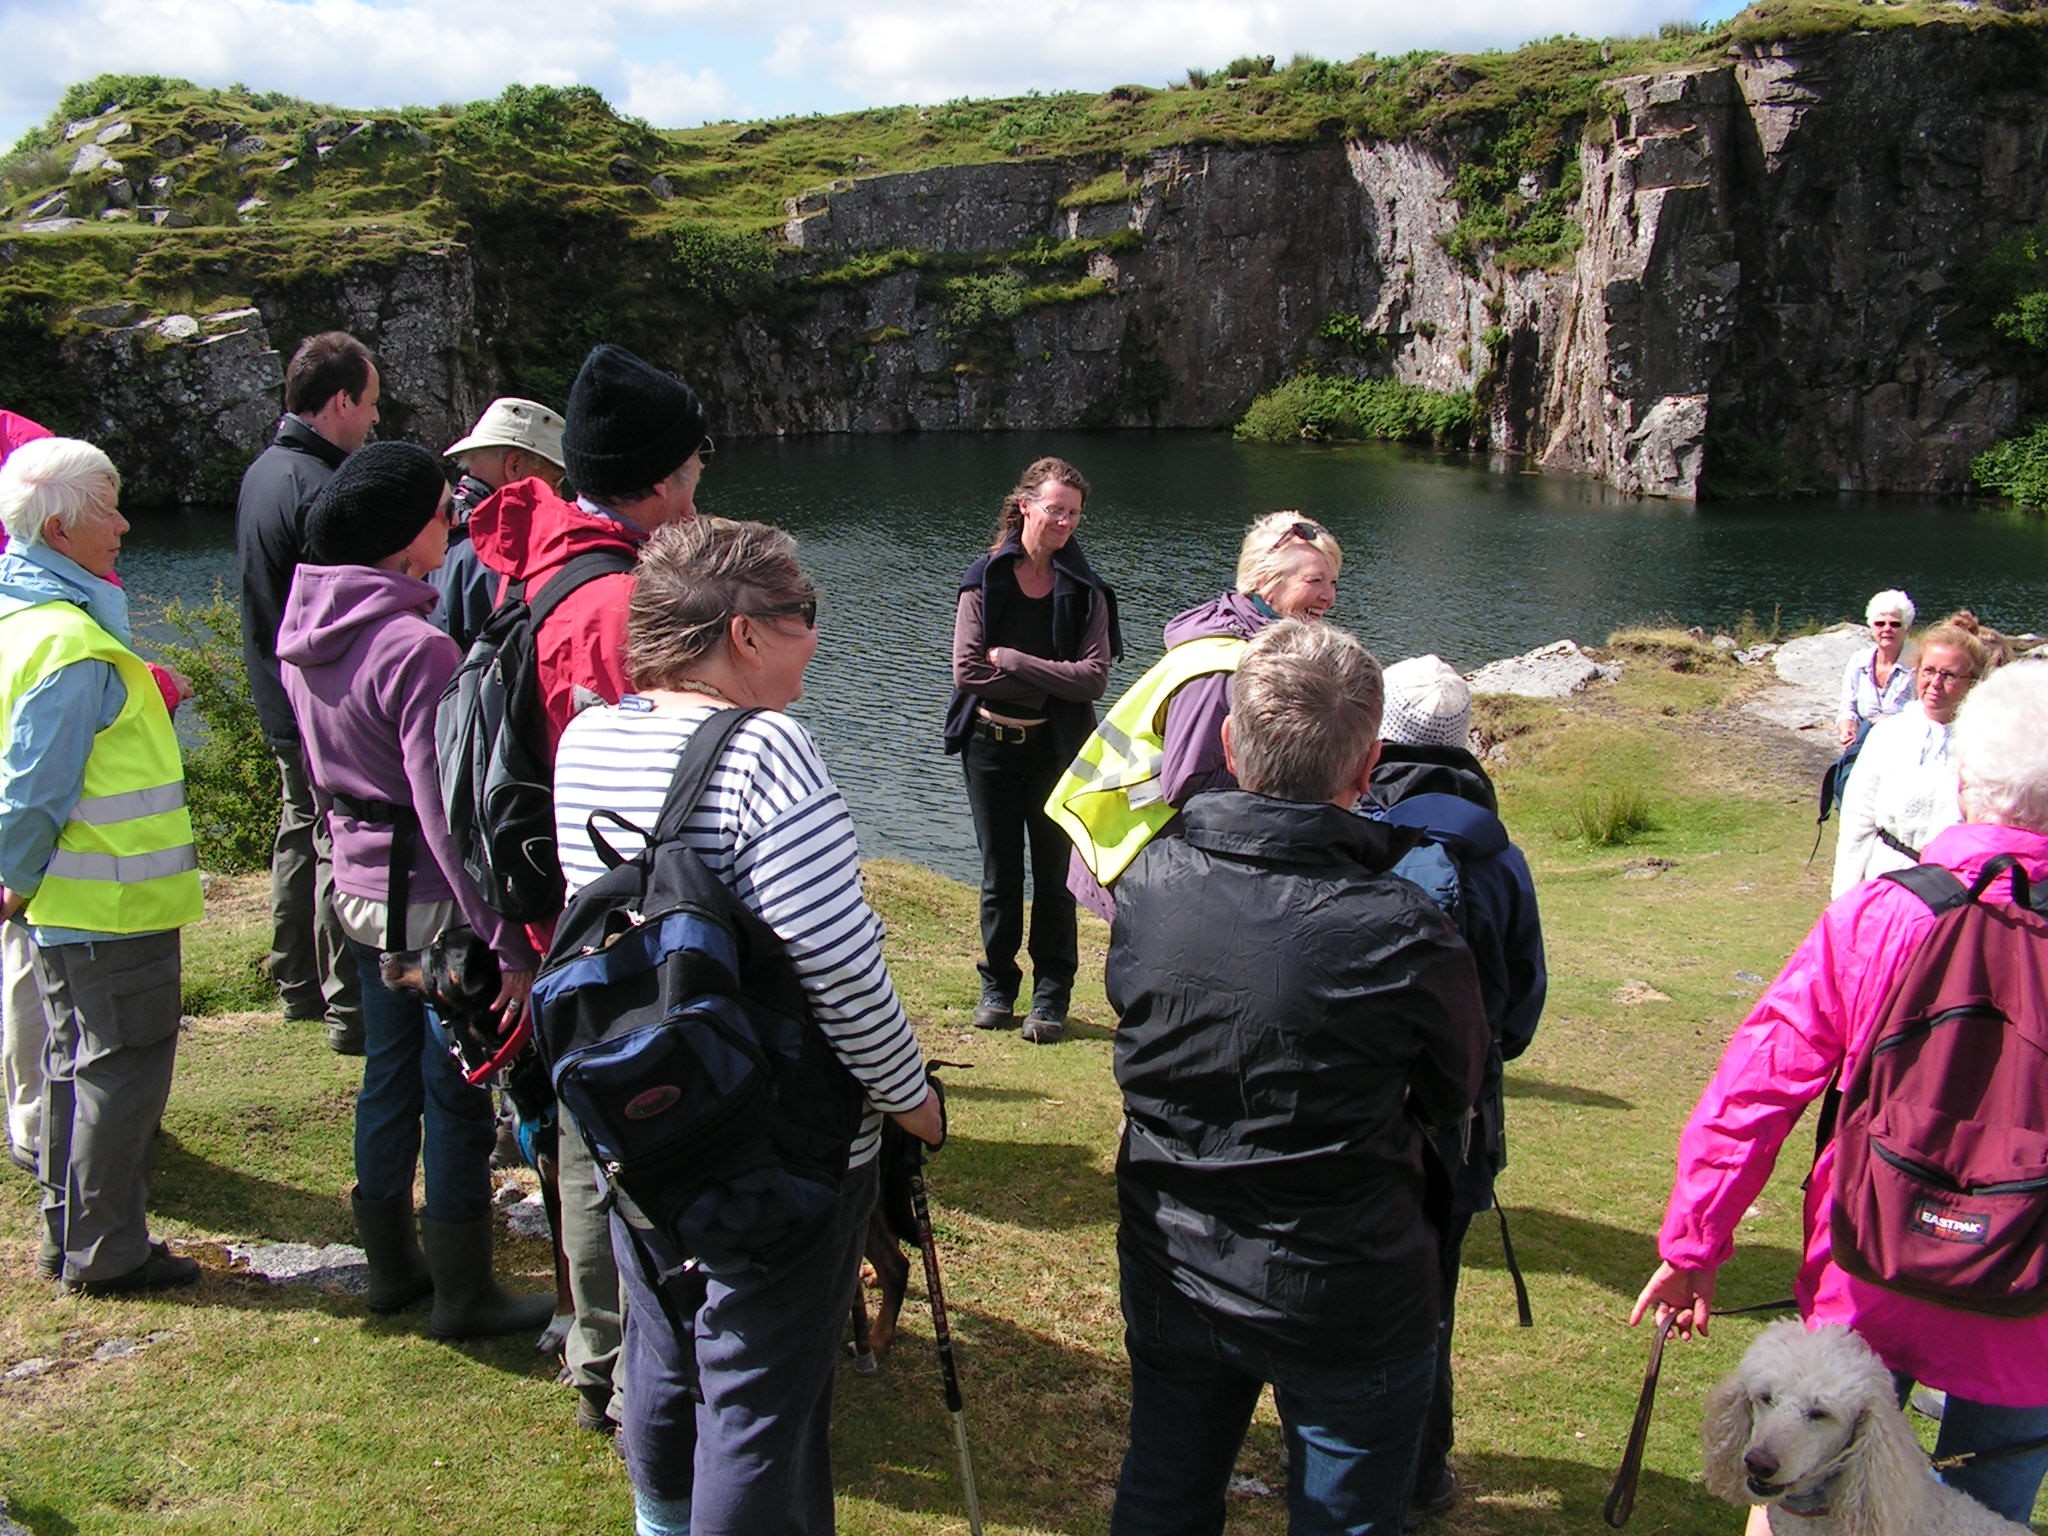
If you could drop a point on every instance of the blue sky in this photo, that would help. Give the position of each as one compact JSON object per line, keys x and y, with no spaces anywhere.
{"x":681,"y":62}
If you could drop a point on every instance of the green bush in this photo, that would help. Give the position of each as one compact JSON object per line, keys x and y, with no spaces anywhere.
{"x":231,"y":775}
{"x":96,"y":95}
{"x":717,"y":266}
{"x":1608,"y":818}
{"x":980,"y":300}
{"x":1311,"y":405}
{"x":2017,"y":467}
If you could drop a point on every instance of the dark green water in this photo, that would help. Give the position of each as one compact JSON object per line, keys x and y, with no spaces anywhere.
{"x":1445,"y":556}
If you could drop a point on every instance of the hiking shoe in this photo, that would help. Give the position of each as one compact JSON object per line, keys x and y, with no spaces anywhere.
{"x":49,"y":1259}
{"x":159,"y":1272}
{"x":1439,"y":1502}
{"x":345,"y":1039}
{"x":1045,"y":1026}
{"x":994,"y":1012}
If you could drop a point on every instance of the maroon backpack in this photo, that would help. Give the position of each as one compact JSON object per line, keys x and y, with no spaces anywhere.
{"x":1941,"y":1158}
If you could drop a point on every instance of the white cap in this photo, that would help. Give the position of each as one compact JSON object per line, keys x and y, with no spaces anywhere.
{"x":514,"y":423}
{"x":1428,"y":704}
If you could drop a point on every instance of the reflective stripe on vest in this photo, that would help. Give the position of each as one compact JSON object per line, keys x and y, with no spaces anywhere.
{"x":124,"y":861}
{"x":1109,"y":802}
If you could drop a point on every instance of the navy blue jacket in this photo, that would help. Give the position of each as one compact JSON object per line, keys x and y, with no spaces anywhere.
{"x":1496,"y":913}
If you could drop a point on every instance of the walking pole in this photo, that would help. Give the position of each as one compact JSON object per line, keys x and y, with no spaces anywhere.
{"x":935,"y":1292}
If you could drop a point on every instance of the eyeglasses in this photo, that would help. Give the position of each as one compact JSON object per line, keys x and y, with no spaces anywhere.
{"x":1887,"y":623}
{"x":705,"y":449}
{"x":1931,"y":675}
{"x":1309,"y":533}
{"x":807,"y":610}
{"x":1057,"y":514}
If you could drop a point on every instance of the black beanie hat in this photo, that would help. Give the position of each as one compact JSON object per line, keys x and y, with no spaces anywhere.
{"x":629,"y":425}
{"x":376,"y":504}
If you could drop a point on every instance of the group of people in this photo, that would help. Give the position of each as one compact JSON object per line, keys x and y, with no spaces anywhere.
{"x":1952,"y":773}
{"x":1899,"y":701}
{"x":1305,"y":1143}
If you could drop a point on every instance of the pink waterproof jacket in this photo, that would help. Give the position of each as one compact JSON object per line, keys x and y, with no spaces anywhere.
{"x":1814,"y":1018}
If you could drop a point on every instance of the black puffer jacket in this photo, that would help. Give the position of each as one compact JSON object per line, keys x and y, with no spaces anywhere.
{"x":1290,"y":1015}
{"x":270,"y":541}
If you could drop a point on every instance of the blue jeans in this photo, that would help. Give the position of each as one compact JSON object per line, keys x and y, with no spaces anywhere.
{"x":1351,"y":1431}
{"x":726,"y":1429}
{"x":2011,"y":1484}
{"x":408,"y":1076}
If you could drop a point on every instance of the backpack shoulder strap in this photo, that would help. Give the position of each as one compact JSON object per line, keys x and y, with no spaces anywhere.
{"x":693,"y":770}
{"x":584,"y":568}
{"x":1936,"y":886}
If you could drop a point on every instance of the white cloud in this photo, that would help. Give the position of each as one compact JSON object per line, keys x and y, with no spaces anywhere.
{"x":794,"y":52}
{"x":668,"y":93}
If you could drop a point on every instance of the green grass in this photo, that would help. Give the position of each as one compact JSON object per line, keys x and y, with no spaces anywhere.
{"x":292,"y":1411}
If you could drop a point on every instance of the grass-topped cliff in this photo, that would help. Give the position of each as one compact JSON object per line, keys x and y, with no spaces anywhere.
{"x":145,"y":196}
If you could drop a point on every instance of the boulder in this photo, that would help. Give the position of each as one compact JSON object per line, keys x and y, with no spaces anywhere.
{"x":51,"y":226}
{"x":113,"y":133}
{"x":55,"y":206}
{"x":91,"y":160}
{"x":121,"y":192}
{"x":1809,"y":685}
{"x":1553,"y":671}
{"x":177,"y":327}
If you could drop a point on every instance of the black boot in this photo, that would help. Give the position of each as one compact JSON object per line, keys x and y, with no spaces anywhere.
{"x":468,"y":1301}
{"x":398,"y":1270}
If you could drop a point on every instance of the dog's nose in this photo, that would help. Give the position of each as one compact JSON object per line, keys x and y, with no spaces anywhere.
{"x":1760,"y":1464}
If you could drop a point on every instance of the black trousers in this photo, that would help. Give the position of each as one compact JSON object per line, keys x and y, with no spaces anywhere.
{"x":1436,"y":1427}
{"x":1007,"y":783}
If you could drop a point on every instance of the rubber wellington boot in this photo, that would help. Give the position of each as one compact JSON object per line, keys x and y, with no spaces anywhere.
{"x":398,"y":1270}
{"x":468,"y":1301}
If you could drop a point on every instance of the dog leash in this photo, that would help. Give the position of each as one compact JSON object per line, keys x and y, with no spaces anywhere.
{"x":1978,"y":1458}
{"x":1621,"y":1498}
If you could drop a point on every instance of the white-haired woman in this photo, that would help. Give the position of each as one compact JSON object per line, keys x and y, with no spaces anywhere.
{"x":726,"y":1423}
{"x":96,"y":856}
{"x":1875,"y":683}
{"x":1813,"y":1023}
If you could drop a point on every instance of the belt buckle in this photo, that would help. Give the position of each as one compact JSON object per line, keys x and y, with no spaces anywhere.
{"x":1016,"y":735}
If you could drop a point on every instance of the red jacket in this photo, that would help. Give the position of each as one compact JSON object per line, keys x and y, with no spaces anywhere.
{"x":526,"y":532}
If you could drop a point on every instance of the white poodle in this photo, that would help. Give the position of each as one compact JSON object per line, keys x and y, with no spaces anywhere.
{"x":1810,"y":1427}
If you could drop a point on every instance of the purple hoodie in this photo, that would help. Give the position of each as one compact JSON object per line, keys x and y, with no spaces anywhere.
{"x":364,"y":669}
{"x":1194,"y":715}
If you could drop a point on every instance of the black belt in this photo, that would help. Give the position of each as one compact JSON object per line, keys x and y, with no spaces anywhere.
{"x":1012,"y":735}
{"x":404,"y":823}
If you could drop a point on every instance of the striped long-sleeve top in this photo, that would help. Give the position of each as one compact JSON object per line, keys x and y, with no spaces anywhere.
{"x":773,"y":827}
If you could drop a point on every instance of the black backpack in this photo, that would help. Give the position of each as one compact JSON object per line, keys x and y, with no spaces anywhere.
{"x":490,"y":737}
{"x":679,"y":1038}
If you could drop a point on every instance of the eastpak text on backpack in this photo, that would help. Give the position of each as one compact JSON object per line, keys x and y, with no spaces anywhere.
{"x":1941,"y":1157}
{"x":679,"y":1037}
{"x":490,"y":737}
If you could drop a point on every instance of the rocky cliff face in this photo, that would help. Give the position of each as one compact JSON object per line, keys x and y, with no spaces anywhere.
{"x":1776,"y":249}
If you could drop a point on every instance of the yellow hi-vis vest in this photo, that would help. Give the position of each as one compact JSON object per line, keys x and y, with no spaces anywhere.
{"x":124,"y":861}
{"x":1109,"y":801}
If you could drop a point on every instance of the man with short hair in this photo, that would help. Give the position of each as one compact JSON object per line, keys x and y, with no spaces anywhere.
{"x":1292,"y":1017}
{"x":331,"y":389}
{"x":512,"y":440}
{"x":635,"y":442}
{"x":96,"y":855}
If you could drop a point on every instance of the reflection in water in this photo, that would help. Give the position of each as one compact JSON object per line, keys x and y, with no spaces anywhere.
{"x":1448,"y":556}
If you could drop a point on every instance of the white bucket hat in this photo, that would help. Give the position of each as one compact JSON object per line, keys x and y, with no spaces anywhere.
{"x":515,"y":423}
{"x":1428,"y":704}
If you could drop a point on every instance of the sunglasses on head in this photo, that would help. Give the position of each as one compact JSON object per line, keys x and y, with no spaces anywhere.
{"x":807,"y":610}
{"x":1304,"y":530}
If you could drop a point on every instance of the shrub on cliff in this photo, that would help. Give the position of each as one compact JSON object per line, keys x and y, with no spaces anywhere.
{"x":1311,"y":405}
{"x":2017,"y":467}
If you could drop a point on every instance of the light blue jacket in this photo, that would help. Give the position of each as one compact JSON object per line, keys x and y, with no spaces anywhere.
{"x":50,"y":732}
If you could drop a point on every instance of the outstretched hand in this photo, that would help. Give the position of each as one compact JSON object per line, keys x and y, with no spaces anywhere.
{"x":1686,"y":1296}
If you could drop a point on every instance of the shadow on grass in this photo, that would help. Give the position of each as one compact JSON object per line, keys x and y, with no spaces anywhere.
{"x":893,"y":1444}
{"x":1047,"y":1186}
{"x":220,"y":1198}
{"x":42,"y":1519}
{"x":1618,"y":1259}
{"x":1562,"y":1093}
